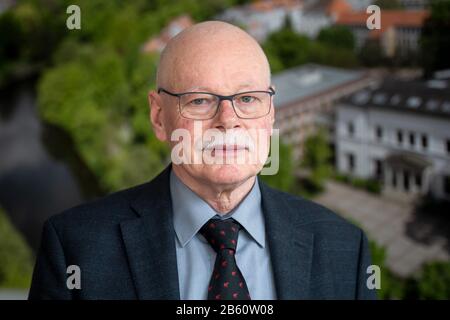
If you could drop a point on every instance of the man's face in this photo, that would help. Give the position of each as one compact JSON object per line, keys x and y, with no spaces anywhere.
{"x":223,"y":73}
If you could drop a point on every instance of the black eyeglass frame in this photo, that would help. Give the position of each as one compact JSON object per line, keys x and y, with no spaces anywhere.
{"x":221,"y":98}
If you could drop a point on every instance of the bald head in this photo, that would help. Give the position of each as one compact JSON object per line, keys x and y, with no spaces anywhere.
{"x":212,"y":50}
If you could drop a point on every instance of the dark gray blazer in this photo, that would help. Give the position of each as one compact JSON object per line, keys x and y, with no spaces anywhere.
{"x":124,"y":245}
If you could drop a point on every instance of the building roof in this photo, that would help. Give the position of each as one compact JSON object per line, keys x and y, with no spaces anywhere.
{"x":426,"y":97}
{"x":338,"y":7}
{"x":328,"y":7}
{"x":408,"y":160}
{"x":308,"y":80}
{"x":268,"y":5}
{"x":389,"y":18}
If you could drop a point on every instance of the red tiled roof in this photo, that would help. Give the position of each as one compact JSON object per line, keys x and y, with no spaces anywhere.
{"x":268,"y":5}
{"x":338,"y":7}
{"x":389,"y":18}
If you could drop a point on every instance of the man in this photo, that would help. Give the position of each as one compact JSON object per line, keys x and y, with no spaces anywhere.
{"x":205,"y":230}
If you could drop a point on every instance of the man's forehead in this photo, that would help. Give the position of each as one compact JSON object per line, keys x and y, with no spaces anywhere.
{"x":214,"y":79}
{"x":209,"y":88}
{"x":222,"y":77}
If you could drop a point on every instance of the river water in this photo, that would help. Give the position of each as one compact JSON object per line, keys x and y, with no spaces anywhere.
{"x":40,"y":171}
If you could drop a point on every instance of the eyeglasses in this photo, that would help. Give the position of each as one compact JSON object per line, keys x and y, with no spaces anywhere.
{"x":204,"y":105}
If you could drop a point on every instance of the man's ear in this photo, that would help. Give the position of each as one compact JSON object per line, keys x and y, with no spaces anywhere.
{"x":156,"y":115}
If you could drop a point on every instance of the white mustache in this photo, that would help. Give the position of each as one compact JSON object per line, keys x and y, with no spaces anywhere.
{"x":230,"y":140}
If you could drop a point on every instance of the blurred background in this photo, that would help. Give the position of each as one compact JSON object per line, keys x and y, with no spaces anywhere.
{"x":364,"y":117}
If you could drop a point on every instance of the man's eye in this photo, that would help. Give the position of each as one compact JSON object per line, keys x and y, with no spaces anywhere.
{"x":247,"y":99}
{"x":198,"y":102}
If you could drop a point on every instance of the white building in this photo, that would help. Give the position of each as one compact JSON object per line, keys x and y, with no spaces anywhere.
{"x":399,"y":133}
{"x":261,"y":18}
{"x":306,"y":97}
{"x":399,"y":34}
{"x":319,"y":14}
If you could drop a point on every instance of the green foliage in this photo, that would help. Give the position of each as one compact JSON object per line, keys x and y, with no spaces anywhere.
{"x":286,"y":49}
{"x":371,"y":54}
{"x":12,"y":36}
{"x":434,"y":281}
{"x":284,"y":179}
{"x":370,"y":185}
{"x":392,"y":287}
{"x":108,"y":118}
{"x":30,"y":33}
{"x":337,"y":36}
{"x":15,"y":256}
{"x":435,"y":41}
{"x":317,"y":157}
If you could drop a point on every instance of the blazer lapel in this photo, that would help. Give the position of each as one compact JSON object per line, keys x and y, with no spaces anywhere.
{"x":291,"y":248}
{"x":150,"y":242}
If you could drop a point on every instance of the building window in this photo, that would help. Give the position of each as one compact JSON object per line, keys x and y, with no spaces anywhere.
{"x":418,"y":178}
{"x":412,"y":139}
{"x":379,"y":133}
{"x":447,"y":185}
{"x":406,"y":180}
{"x":448,"y":146}
{"x":399,"y":136}
{"x":350,"y":129}
{"x":351,"y":162}
{"x":378,"y":172}
{"x":394,"y":179}
{"x":424,"y":141}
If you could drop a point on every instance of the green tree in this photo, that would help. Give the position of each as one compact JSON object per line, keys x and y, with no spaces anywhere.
{"x":435,"y":40}
{"x":12,"y":37}
{"x":434,"y":282}
{"x":317,"y":156}
{"x":337,"y":36}
{"x":371,"y":54}
{"x":287,"y":49}
{"x":15,"y":256}
{"x":105,"y":118}
{"x":392,"y":287}
{"x":285,"y":178}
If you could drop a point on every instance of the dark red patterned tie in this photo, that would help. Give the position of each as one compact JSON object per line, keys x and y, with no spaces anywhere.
{"x":227,"y":281}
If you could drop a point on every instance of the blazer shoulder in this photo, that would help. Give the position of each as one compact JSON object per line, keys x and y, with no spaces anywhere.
{"x":110,"y":209}
{"x":315,"y":217}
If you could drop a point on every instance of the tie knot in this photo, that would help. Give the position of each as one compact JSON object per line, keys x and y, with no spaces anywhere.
{"x":221,"y":234}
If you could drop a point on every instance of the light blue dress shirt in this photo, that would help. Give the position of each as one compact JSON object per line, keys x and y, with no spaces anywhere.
{"x":195,"y":257}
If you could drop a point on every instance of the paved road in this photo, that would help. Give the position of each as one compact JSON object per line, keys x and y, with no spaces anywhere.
{"x":388,"y":222}
{"x":13,"y":294}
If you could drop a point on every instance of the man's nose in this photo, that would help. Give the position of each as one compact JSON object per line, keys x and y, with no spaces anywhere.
{"x":226,"y":117}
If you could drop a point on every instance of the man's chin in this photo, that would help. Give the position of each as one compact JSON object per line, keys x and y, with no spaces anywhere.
{"x":228,"y":173}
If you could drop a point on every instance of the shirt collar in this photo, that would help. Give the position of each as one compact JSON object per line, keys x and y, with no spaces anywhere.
{"x":190,"y":212}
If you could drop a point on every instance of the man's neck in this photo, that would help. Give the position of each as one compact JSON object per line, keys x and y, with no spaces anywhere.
{"x":222,"y":198}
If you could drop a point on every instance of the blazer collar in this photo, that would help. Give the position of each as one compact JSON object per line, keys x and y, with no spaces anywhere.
{"x":150,"y":241}
{"x":290,"y":246}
